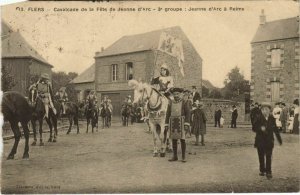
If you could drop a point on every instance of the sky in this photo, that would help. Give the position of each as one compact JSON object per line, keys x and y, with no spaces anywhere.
{"x":69,"y":40}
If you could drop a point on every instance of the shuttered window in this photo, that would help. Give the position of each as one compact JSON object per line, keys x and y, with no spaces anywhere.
{"x":275,"y":89}
{"x":275,"y":55}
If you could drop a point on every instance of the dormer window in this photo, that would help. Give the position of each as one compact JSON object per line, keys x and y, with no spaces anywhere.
{"x":275,"y":58}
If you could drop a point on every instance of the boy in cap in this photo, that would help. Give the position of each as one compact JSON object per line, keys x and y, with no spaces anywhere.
{"x":265,"y":127}
{"x":178,"y":116}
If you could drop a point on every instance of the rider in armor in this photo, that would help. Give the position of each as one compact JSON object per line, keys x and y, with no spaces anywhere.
{"x":62,"y":97}
{"x":165,"y":81}
{"x":44,"y":90}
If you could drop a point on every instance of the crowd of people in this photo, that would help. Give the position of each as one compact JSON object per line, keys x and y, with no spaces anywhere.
{"x":286,"y":117}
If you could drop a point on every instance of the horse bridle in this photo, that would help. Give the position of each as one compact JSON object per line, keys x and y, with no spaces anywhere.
{"x":148,"y":97}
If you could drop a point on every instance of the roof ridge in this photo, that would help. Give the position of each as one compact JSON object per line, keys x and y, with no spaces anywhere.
{"x":279,"y":20}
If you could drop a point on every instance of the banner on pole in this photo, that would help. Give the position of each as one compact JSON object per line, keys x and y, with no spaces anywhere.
{"x":172,"y":46}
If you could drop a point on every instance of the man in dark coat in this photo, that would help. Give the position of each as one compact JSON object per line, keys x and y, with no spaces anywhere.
{"x":178,"y":115}
{"x":195,"y":93}
{"x":265,"y":127}
{"x":234,"y":116}
{"x":218,"y":115}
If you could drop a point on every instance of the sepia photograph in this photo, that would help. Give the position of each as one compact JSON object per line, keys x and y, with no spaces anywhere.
{"x":150,"y":97}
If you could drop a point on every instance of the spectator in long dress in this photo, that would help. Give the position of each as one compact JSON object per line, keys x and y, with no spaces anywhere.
{"x":296,"y":117}
{"x":284,"y":117}
{"x":199,"y":122}
{"x":291,"y":120}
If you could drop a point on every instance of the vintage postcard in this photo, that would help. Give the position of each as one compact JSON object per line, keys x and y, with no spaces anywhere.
{"x":150,"y":97}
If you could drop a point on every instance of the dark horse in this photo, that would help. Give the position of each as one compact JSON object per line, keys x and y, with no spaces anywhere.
{"x":15,"y":109}
{"x":91,"y":114}
{"x":38,"y":115}
{"x":105,"y":114}
{"x":72,"y":113}
{"x":125,"y":112}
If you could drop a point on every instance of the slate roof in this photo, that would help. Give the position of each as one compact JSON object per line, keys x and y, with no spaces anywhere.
{"x":207,"y":84}
{"x":136,"y":43}
{"x":15,"y":46}
{"x":86,"y":76}
{"x":276,"y":30}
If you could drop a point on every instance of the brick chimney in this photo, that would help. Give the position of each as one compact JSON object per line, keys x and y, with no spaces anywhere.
{"x":262,"y":18}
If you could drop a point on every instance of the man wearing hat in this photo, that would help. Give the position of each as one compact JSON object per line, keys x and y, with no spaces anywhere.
{"x":265,"y":127}
{"x":44,"y":90}
{"x":195,"y":93}
{"x":178,"y":116}
{"x":165,"y":80}
{"x":254,"y":113}
{"x":62,"y":98}
{"x":234,"y":116}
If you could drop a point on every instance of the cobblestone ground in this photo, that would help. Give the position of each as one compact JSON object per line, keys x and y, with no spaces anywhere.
{"x":120,"y":159}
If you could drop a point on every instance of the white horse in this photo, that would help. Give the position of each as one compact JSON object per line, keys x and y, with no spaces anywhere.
{"x":157,"y":105}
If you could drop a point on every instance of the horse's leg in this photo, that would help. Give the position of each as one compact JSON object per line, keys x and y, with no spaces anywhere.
{"x":17,"y":135}
{"x":50,"y":127}
{"x":76,"y":123}
{"x":70,"y":124}
{"x":103,"y":121}
{"x":155,"y":149}
{"x":164,"y":138}
{"x":33,"y":124}
{"x":41,"y":131}
{"x":26,"y":135}
{"x":54,"y":124}
{"x":87,"y":124}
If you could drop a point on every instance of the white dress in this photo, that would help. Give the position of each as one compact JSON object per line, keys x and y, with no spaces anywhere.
{"x":276,"y":113}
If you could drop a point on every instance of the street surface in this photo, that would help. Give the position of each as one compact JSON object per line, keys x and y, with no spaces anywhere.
{"x":120,"y":159}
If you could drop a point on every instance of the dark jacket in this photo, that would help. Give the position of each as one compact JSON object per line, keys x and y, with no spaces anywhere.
{"x":254,"y":114}
{"x":265,"y":138}
{"x":196,"y":96}
{"x":218,"y":114}
{"x":234,"y":114}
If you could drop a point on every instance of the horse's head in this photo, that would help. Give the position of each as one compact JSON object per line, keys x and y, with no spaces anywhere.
{"x":140,"y":91}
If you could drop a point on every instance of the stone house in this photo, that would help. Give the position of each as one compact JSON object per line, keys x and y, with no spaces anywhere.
{"x":275,"y":61}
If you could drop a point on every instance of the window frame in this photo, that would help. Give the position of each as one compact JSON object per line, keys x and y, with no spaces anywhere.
{"x":275,"y":60}
{"x":275,"y":99}
{"x":114,"y":72}
{"x":126,"y":71}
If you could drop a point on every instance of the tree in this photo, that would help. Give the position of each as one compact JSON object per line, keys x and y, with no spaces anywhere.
{"x":205,"y":92}
{"x":62,"y":79}
{"x":216,"y":94}
{"x":235,"y":84}
{"x":7,"y":80}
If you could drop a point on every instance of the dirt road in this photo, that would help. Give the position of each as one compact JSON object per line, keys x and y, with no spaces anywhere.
{"x":120,"y":159}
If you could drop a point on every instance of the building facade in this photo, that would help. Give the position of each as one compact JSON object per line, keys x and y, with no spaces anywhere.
{"x":275,"y":61}
{"x":139,"y":57}
{"x":20,"y":60}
